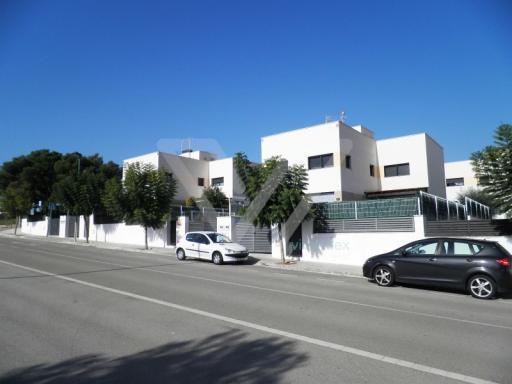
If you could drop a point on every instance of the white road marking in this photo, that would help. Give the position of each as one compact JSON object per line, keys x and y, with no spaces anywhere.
{"x":274,"y":331}
{"x":283,"y":274}
{"x":305,"y":295}
{"x":331,"y":280}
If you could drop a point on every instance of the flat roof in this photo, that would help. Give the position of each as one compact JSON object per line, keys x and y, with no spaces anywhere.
{"x":301,"y":129}
{"x":411,"y":135}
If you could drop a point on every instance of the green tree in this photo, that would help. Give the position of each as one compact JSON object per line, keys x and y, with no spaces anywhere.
{"x":16,"y":201}
{"x":215,"y":197}
{"x":35,"y":172}
{"x":144,"y":197}
{"x":80,"y":184}
{"x":112,"y":199}
{"x":493,"y":168}
{"x":276,"y":193}
{"x":479,"y":195}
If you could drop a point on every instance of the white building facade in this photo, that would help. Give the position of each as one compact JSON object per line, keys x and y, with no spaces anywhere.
{"x":195,"y":171}
{"x":347,"y":163}
{"x":460,"y":178}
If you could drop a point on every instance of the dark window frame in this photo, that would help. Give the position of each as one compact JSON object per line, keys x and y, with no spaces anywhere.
{"x":455,"y":182}
{"x":348,"y":161}
{"x":394,"y":170}
{"x":372,"y":170}
{"x":216,"y":183}
{"x":200,"y":181}
{"x":325,"y":161}
{"x":482,"y":180}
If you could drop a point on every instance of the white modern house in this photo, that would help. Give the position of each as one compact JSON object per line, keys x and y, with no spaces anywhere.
{"x":347,"y":163}
{"x":195,"y":171}
{"x":346,"y":166}
{"x":460,"y":178}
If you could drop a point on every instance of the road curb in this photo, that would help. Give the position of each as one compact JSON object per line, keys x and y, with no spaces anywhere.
{"x":302,"y":269}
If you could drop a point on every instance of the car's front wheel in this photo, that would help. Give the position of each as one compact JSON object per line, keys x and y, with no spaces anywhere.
{"x":384,"y":276}
{"x":482,"y":287}
{"x":217,"y":258}
{"x":180,"y":254}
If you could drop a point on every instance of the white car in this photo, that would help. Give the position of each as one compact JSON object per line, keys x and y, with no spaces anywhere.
{"x":210,"y":246}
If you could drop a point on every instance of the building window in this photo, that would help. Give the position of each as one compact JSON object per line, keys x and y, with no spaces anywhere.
{"x":217,"y":182}
{"x":483,"y":180}
{"x":372,"y":170}
{"x":455,"y":182}
{"x":200,"y":181}
{"x":348,"y":162}
{"x":321,"y":161}
{"x":397,"y":170}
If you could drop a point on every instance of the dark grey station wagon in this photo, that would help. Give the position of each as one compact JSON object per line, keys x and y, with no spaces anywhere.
{"x":480,"y":267}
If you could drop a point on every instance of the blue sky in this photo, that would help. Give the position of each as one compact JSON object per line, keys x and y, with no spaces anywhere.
{"x":120,"y":78}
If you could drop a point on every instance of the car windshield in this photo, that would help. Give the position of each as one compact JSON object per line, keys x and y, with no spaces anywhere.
{"x":218,"y":238}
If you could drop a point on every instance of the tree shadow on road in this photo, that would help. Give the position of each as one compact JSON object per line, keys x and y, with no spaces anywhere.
{"x":221,"y":358}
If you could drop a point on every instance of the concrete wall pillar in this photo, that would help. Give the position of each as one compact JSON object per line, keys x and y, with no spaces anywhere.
{"x":182,"y":225}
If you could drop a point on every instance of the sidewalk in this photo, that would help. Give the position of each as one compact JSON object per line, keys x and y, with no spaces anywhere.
{"x":265,"y":260}
{"x":261,"y":259}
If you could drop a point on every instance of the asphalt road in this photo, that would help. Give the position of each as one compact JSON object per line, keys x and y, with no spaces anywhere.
{"x":82,"y":314}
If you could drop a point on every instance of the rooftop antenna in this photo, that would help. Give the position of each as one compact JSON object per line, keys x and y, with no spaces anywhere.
{"x":342,"y":116}
{"x":187,"y":150}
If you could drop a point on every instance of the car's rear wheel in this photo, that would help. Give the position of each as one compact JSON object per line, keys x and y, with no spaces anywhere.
{"x":217,"y":258}
{"x":384,"y":276}
{"x":180,"y":254}
{"x":482,"y":287}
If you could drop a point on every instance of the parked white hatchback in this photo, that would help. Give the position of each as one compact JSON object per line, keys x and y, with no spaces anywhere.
{"x":211,"y":246}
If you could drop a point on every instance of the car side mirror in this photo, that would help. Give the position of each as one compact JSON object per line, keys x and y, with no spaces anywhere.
{"x":403,"y":253}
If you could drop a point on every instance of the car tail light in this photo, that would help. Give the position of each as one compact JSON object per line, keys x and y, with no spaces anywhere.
{"x":504,"y":261}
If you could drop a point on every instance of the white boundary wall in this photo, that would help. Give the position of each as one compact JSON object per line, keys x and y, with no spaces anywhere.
{"x":109,"y":233}
{"x":37,"y":228}
{"x":353,"y":248}
{"x":126,"y":234}
{"x":339,"y":248}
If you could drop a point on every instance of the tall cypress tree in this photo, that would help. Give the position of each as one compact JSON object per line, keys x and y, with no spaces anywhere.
{"x":493,"y":168}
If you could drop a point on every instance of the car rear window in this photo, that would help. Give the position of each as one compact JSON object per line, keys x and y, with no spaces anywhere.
{"x":502,"y":249}
{"x":490,"y":249}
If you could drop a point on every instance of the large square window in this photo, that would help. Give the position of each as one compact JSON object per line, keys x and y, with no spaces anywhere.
{"x":217,"y":181}
{"x":320,"y":161}
{"x":397,"y":170}
{"x":455,"y":182}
